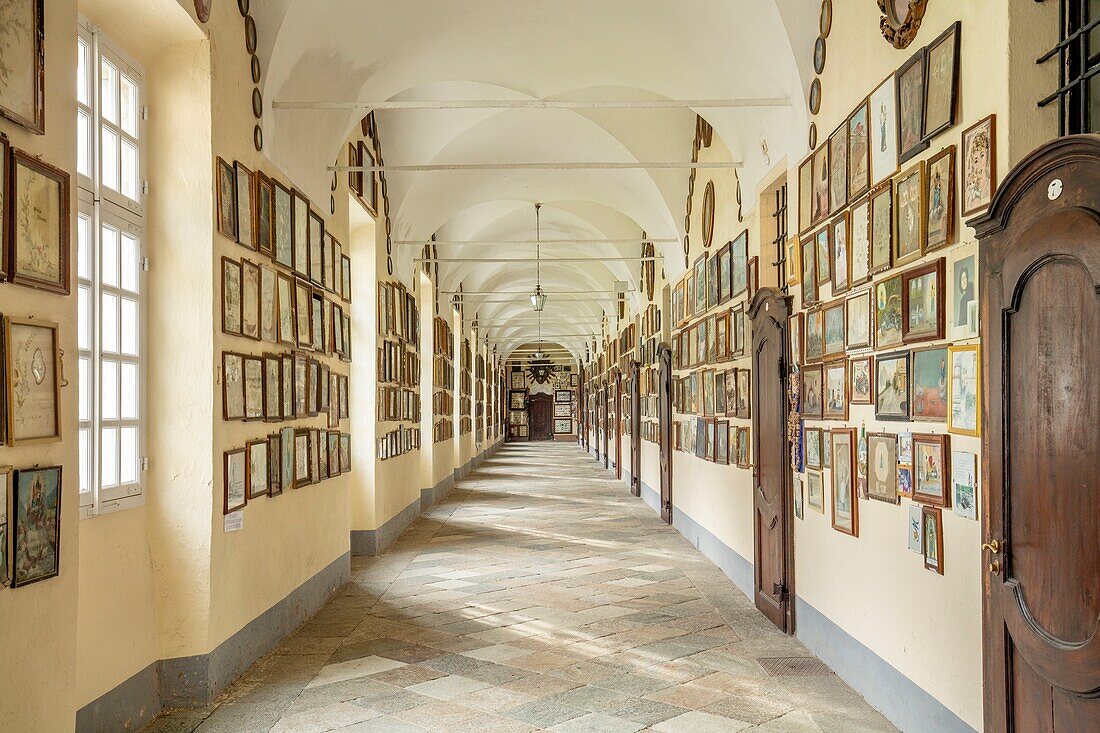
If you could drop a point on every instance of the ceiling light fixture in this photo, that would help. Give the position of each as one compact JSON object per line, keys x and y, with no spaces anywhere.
{"x":538,"y":298}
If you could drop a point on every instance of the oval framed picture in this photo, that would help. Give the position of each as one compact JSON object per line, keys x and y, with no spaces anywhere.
{"x":257,"y":103}
{"x":813,"y":136}
{"x":243,"y":6}
{"x":901,"y":19}
{"x":389,"y":265}
{"x":333,"y":184}
{"x":258,"y":138}
{"x":332,"y":204}
{"x":819,"y":55}
{"x":250,"y":34}
{"x":255,"y":69}
{"x":708,"y":214}
{"x":826,"y":20}
{"x":202,"y":9}
{"x":815,"y":96}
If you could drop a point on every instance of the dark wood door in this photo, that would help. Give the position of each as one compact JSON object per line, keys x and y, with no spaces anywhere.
{"x":605,"y":418}
{"x":1040,"y":326}
{"x":635,"y":429}
{"x":772,"y":500}
{"x":541,"y":411}
{"x":618,"y":397}
{"x":664,"y":412}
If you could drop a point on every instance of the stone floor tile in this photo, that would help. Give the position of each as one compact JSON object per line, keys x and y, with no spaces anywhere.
{"x":543,"y":713}
{"x":320,"y":720}
{"x":687,"y":695}
{"x":696,"y":721}
{"x":350,"y":670}
{"x":597,"y":723}
{"x":451,"y":687}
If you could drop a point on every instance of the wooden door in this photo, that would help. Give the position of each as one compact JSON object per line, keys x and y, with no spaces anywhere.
{"x":664,"y":412}
{"x":635,"y":429}
{"x":618,"y":396}
{"x":582,"y":410}
{"x":541,"y":411}
{"x":605,"y":418}
{"x":772,"y":499}
{"x":1039,"y":291}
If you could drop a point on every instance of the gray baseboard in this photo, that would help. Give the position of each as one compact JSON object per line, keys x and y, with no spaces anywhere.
{"x":436,"y":494}
{"x":906,"y":704}
{"x":196,"y":680}
{"x":371,"y":542}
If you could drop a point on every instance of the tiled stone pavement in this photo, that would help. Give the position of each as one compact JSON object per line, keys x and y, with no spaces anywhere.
{"x":538,"y":596}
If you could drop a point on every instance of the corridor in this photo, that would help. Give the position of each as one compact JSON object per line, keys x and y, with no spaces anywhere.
{"x":539,"y":595}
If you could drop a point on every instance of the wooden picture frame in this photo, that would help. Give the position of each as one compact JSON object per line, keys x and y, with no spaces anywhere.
{"x":813,"y":339}
{"x":858,"y":315}
{"x":834,"y":388}
{"x":713,"y":286}
{"x":882,"y":467}
{"x":742,"y":448}
{"x":245,"y":198}
{"x":300,"y":220}
{"x":265,"y":215}
{"x":30,"y":31}
{"x":273,"y":388}
{"x":942,"y":69}
{"x":911,"y":82}
{"x":316,"y":248}
{"x":250,"y":300}
{"x":892,"y":386}
{"x":928,"y":401}
{"x":823,"y":255}
{"x":931,"y":525}
{"x":813,"y":402}
{"x":5,"y":205}
{"x":6,"y":520}
{"x":252,"y":371}
{"x":859,"y":150}
{"x":881,"y":228}
{"x":964,"y":391}
{"x":979,"y":165}
{"x":723,"y":257}
{"x":859,"y":247}
{"x":840,"y":254}
{"x":232,"y":386}
{"x":838,"y":168}
{"x":884,"y":130}
{"x":861,"y":380}
{"x":939,"y":197}
{"x":809,"y":271}
{"x":845,"y":503}
{"x":921,"y":291}
{"x":834,"y":321}
{"x":795,"y":330}
{"x":38,"y":253}
{"x":232,"y":273}
{"x":257,"y":465}
{"x":815,"y":491}
{"x":701,"y":271}
{"x":805,"y":195}
{"x":282,"y":225}
{"x":32,"y":381}
{"x":910,"y":215}
{"x":226,"y":189}
{"x":812,"y":448}
{"x":932,"y":469}
{"x":35,"y":515}
{"x":889,"y":313}
{"x":820,"y":204}
{"x":234,"y":480}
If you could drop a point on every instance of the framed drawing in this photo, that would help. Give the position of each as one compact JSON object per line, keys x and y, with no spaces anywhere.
{"x":910,"y":101}
{"x":300,"y":237}
{"x":962,"y":274}
{"x":253,"y":376}
{"x":813,"y":448}
{"x":286,"y":459}
{"x":812,"y":405}
{"x":22,"y":86}
{"x":32,"y":378}
{"x":965,"y":390}
{"x":916,"y":530}
{"x":269,"y":326}
{"x":256,"y":459}
{"x":892,"y":386}
{"x":722,"y":442}
{"x":235,"y":480}
{"x":928,"y":384}
{"x":563,"y":411}
{"x":939,"y":196}
{"x":701,"y":284}
{"x":845,"y":504}
{"x":942,"y":87}
{"x":820,"y":205}
{"x":861,"y":381}
{"x":979,"y":165}
{"x":932,"y":469}
{"x":809,"y":271}
{"x":35,"y":525}
{"x":724,"y":282}
{"x":964,"y":484}
{"x":815,"y":491}
{"x":835,"y":390}
{"x":932,"y":535}
{"x":859,"y":228}
{"x":250,"y":300}
{"x":563,"y":427}
{"x":5,"y":524}
{"x":909,"y":215}
{"x":814,"y":347}
{"x":794,"y":337}
{"x":823,"y":255}
{"x":265,"y":209}
{"x":303,"y":309}
{"x":882,"y":467}
{"x":805,"y":195}
{"x":232,"y":386}
{"x":519,"y":380}
{"x":841,"y":255}
{"x":859,"y":150}
{"x":246,"y":195}
{"x":922,"y":302}
{"x":273,"y":383}
{"x":858,"y":316}
{"x":742,"y":449}
{"x":838,"y":169}
{"x":517,"y":400}
{"x":882,"y":228}
{"x":231,"y":296}
{"x":884,"y":130}
{"x":227,"y":198}
{"x":38,"y":255}
{"x":743,"y":378}
{"x":889,"y":313}
{"x":563,"y":396}
{"x":284,"y":307}
{"x":5,"y":204}
{"x":835,"y":329}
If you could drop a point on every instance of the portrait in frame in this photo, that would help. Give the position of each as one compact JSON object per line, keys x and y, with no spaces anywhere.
{"x":820,"y":205}
{"x":882,"y":467}
{"x":939,"y":197}
{"x":909,"y":215}
{"x":845,"y":506}
{"x":794,"y":338}
{"x":889,"y":313}
{"x":861,"y":381}
{"x":38,"y":253}
{"x":35,"y":519}
{"x":723,"y":258}
{"x":859,"y":151}
{"x":922,"y":302}
{"x":965,"y":390}
{"x":911,"y":79}
{"x":928,"y":384}
{"x":286,"y":459}
{"x":265,"y":208}
{"x":812,"y":401}
{"x":979,"y":165}
{"x":884,"y":131}
{"x":916,"y":530}
{"x":962,"y":316}
{"x":744,"y":393}
{"x":932,"y":536}
{"x":235,"y":480}
{"x":269,"y":325}
{"x":931,"y":469}
{"x":33,"y":380}
{"x":838,"y":169}
{"x":892,"y":386}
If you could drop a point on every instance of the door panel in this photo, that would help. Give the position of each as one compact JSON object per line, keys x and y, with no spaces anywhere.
{"x":542,"y":417}
{"x":1040,"y":304}
{"x":664,"y":411}
{"x":635,"y":429}
{"x":618,"y":426}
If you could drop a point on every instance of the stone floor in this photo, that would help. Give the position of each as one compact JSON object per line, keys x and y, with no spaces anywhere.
{"x":538,"y":596}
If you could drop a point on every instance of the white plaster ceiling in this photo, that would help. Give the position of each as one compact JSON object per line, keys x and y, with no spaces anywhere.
{"x":359,"y":50}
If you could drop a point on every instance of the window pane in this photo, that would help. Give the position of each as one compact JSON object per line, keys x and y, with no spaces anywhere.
{"x":108,"y":256}
{"x":129,"y":171}
{"x":84,"y":244}
{"x":109,"y":91}
{"x":109,"y":159}
{"x":108,"y":404}
{"x":85,"y":460}
{"x":85,"y":388}
{"x":83,"y":143}
{"x":129,"y":326}
{"x":129,"y":392}
{"x":82,"y":52}
{"x":108,"y":457}
{"x":128,"y":99}
{"x":129,"y":459}
{"x":84,"y":318}
{"x":129,"y":263}
{"x":109,"y":323}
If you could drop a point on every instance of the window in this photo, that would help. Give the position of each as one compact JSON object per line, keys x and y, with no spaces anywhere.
{"x":1078,"y":55}
{"x":110,"y":274}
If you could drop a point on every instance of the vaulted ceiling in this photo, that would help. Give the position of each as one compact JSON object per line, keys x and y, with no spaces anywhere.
{"x":380,"y":50}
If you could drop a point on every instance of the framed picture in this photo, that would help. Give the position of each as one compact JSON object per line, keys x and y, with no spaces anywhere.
{"x":345,"y":453}
{"x":712,"y":281}
{"x":859,"y":150}
{"x":246,"y":195}
{"x":962,"y":274}
{"x":269,"y":326}
{"x":265,"y":207}
{"x":861,"y":381}
{"x":300,"y":220}
{"x":838,"y":168}
{"x":701,"y":284}
{"x":841,"y":255}
{"x":722,"y":257}
{"x":799,"y":498}
{"x":805,"y":195}
{"x":939,"y":196}
{"x":823,"y":255}
{"x":303,"y":313}
{"x":834,"y":316}
{"x":794,"y":337}
{"x":35,"y":525}
{"x":884,"y":131}
{"x":812,"y":405}
{"x":739,"y":264}
{"x":574,"y":380}
{"x":38,"y":255}
{"x":909,"y":215}
{"x":965,"y":390}
{"x":316,"y":248}
{"x":517,"y":400}
{"x":563,"y":396}
{"x":253,"y":376}
{"x":809,"y":271}
{"x":742,"y":450}
{"x":882,"y":228}
{"x":334,"y":466}
{"x":744,"y":393}
{"x":928,"y":384}
{"x":235,"y":480}
{"x":964,"y":484}
{"x":285,"y":458}
{"x":813,"y":448}
{"x":257,"y":458}
{"x":859,"y":234}
{"x":23,"y":88}
{"x":932,"y":534}
{"x":5,"y":524}
{"x":815,"y":491}
{"x":232,"y":386}
{"x":892,"y":386}
{"x":979,"y":165}
{"x":820,"y":206}
{"x":910,"y":92}
{"x":227,"y":199}
{"x":942,"y":87}
{"x":231,"y":296}
{"x":562,"y":411}
{"x":889,"y":313}
{"x":932,"y":467}
{"x":814,"y":348}
{"x":836,"y":390}
{"x":284,"y":307}
{"x":916,"y":530}
{"x":858,"y":316}
{"x":519,"y":380}
{"x":563,"y":426}
{"x":922,"y":302}
{"x":709,"y":405}
{"x":273,"y":383}
{"x":5,"y":202}
{"x":882,"y":467}
{"x":250,"y":300}
{"x":283,"y":225}
{"x":32,"y":378}
{"x":845,"y":504}
{"x":722,"y":443}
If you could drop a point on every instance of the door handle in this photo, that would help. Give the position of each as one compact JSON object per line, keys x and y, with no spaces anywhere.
{"x":993,"y":546}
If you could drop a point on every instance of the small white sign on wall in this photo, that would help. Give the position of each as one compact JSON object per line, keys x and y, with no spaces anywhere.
{"x":234,"y":521}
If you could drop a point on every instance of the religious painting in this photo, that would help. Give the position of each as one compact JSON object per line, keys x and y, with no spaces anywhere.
{"x":845,"y":506}
{"x":723,"y":258}
{"x":809,"y":275}
{"x":227,"y":199}
{"x":928,"y":384}
{"x":812,"y":402}
{"x":861,"y":381}
{"x":942,"y":89}
{"x":932,"y":534}
{"x":931,"y":469}
{"x":910,"y":91}
{"x":940,"y":199}
{"x":964,"y":484}
{"x":882,"y":228}
{"x":815,"y":336}
{"x":232,"y":386}
{"x":701,"y":284}
{"x":742,"y":448}
{"x":813,"y":448}
{"x":823,"y":255}
{"x":892,"y":386}
{"x":884,"y":131}
{"x":838,"y":169}
{"x":841,"y":255}
{"x":256,"y":458}
{"x":39,"y":226}
{"x":882,"y":467}
{"x":22,"y":84}
{"x":979,"y":165}
{"x":888,"y":313}
{"x":35,"y":525}
{"x":282,"y":226}
{"x":859,"y":227}
{"x":33,"y":381}
{"x":859,"y":151}
{"x":836,"y":390}
{"x":964,"y":390}
{"x":909,"y":215}
{"x":235,"y":478}
{"x":739,"y":264}
{"x":805,"y":194}
{"x":246,"y":193}
{"x":820,"y":206}
{"x":250,"y":300}
{"x":922,"y":302}
{"x":835,"y":331}
{"x":815,"y":491}
{"x":794,"y":337}
{"x":858,"y":314}
{"x":744,"y":393}
{"x":963,"y":278}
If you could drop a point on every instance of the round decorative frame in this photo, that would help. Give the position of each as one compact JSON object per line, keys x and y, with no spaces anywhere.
{"x":257,"y":103}
{"x":813,"y":136}
{"x":258,"y":138}
{"x":815,"y":96}
{"x":243,"y":6}
{"x":819,"y":55}
{"x":826,"y":20}
{"x":708,"y":215}
{"x":255,"y":69}
{"x":250,"y":34}
{"x":202,"y":9}
{"x":900,"y":31}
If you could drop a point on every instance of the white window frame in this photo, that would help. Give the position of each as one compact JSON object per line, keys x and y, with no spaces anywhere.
{"x":103,"y":207}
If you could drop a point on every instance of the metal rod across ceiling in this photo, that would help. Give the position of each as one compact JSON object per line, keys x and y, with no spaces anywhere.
{"x":527,"y":259}
{"x":443,"y":104}
{"x":519,"y":242}
{"x":538,"y":166}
